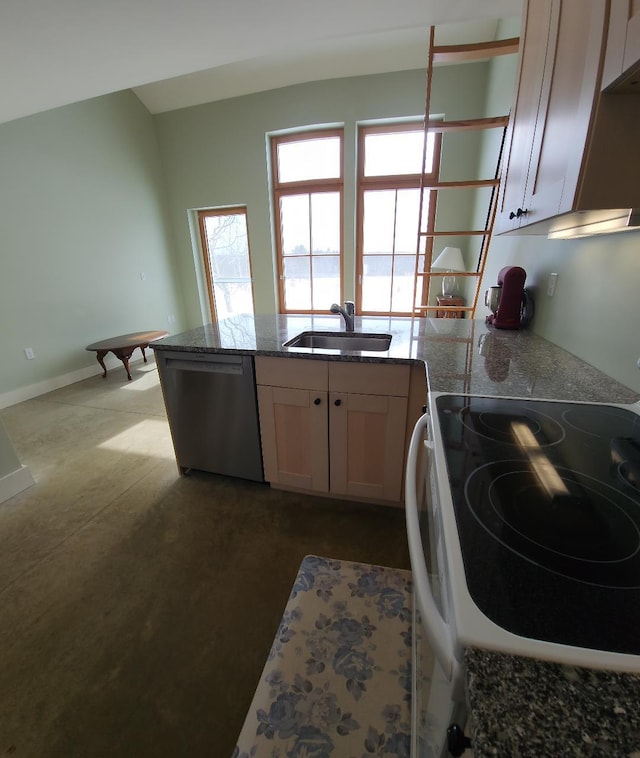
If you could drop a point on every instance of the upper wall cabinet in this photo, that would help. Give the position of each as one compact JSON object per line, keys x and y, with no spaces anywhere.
{"x":570,"y":149}
{"x":622,"y":64}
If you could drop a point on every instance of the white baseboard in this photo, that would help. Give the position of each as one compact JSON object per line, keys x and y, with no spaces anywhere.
{"x":15,"y":482}
{"x":48,"y":385}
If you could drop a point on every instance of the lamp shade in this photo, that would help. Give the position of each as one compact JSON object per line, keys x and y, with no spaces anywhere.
{"x":450,"y":259}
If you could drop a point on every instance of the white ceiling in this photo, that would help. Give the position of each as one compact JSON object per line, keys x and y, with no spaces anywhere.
{"x":176,"y":53}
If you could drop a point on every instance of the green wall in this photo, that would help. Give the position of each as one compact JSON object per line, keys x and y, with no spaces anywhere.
{"x":595,"y":310}
{"x":82,"y":213}
{"x":215,"y":155}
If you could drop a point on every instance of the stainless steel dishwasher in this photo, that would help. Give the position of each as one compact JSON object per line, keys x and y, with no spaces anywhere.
{"x":213,"y":412}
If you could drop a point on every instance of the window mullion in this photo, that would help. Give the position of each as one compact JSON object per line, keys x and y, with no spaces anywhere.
{"x":393,"y":247}
{"x":311,"y":300}
{"x":319,"y":185}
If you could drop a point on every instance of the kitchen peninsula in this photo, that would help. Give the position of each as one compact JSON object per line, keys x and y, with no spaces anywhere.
{"x":467,"y":356}
{"x":337,"y":422}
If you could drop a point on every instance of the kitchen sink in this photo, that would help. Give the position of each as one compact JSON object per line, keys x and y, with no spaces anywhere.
{"x":341,"y":341}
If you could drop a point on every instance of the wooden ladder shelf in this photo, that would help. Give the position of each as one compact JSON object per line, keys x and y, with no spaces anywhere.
{"x":424,"y":293}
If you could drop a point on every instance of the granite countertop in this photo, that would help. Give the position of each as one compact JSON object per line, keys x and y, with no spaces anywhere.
{"x":461,"y":355}
{"x":519,"y":706}
{"x":530,"y":708}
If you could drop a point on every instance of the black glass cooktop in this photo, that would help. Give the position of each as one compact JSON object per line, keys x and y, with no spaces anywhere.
{"x":547,"y":502}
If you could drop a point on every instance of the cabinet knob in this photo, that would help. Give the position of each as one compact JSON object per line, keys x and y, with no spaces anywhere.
{"x":337,"y":402}
{"x":520,"y":212}
{"x":317,"y":401}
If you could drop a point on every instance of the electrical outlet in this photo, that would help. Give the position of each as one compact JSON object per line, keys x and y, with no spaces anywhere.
{"x":28,"y":351}
{"x":551,"y":287}
{"x":143,"y":276}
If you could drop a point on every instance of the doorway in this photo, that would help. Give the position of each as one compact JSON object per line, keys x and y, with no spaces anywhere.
{"x":225,"y":247}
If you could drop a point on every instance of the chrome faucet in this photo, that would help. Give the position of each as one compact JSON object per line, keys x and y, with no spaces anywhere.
{"x":348,"y":313}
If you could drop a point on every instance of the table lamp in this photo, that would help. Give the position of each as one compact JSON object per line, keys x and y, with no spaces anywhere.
{"x":451,"y":260}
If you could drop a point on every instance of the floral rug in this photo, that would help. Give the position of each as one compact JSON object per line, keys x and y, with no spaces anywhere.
{"x":338,"y":677}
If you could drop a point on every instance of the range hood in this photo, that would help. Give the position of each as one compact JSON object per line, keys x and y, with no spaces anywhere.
{"x":589,"y":223}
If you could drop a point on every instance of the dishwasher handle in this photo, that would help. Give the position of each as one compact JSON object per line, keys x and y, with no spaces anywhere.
{"x":207,"y":366}
{"x":437,"y":631}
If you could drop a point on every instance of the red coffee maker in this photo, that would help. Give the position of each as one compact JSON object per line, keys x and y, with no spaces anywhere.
{"x":511,"y":304}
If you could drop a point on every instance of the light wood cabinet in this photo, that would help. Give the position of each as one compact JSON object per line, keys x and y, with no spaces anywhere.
{"x":367,"y":422}
{"x":294,"y":428}
{"x":570,"y":148}
{"x":337,"y":428}
{"x":524,"y":116}
{"x":366,"y":443}
{"x":293,"y":425}
{"x":622,"y":63}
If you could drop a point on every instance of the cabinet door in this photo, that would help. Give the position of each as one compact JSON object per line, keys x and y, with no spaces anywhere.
{"x":567,"y":101}
{"x":367,"y":440}
{"x":524,"y":114}
{"x":294,"y":430}
{"x":632,"y":41}
{"x":623,"y":46}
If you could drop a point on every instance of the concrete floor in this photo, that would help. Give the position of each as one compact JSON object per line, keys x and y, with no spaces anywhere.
{"x":137,"y":607}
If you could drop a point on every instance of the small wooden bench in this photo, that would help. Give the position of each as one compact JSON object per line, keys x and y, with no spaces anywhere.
{"x":338,"y":676}
{"x":123,"y":346}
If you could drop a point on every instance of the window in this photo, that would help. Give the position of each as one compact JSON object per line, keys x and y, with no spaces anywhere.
{"x":389,"y":168}
{"x":308,"y":198}
{"x":225,"y":246}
